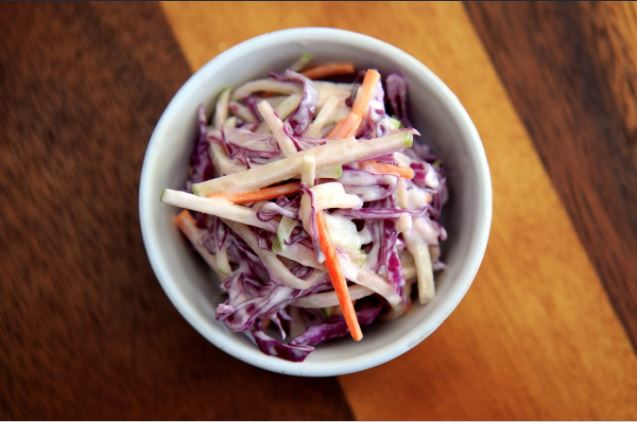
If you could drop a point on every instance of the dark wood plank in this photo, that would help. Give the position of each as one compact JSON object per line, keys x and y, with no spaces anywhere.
{"x":85,"y":330}
{"x":571,"y":72}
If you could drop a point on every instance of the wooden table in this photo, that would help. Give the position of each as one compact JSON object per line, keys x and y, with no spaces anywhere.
{"x":547,"y":331}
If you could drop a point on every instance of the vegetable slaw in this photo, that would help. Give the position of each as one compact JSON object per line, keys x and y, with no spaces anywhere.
{"x":308,"y":198}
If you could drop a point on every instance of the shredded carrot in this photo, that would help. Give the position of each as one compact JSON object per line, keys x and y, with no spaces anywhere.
{"x":259,"y":195}
{"x":184,"y":221}
{"x":330,"y":69}
{"x":349,"y":125}
{"x":336,"y":129}
{"x":366,"y":92}
{"x":346,"y":127}
{"x":377,"y":167}
{"x":338,"y":278}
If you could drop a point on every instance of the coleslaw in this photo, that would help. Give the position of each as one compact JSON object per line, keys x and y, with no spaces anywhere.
{"x":310,"y":201}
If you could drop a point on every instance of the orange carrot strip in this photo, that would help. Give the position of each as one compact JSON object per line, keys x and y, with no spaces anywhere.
{"x":184,"y":221}
{"x":338,"y":278}
{"x":259,"y":195}
{"x":377,"y":167}
{"x":366,"y":92}
{"x":338,"y":127}
{"x":330,"y":69}
{"x":349,"y":125}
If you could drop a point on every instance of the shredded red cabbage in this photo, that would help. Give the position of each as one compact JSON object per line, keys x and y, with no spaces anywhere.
{"x":396,"y":85}
{"x":201,"y":167}
{"x":391,"y":265}
{"x":380,"y":213}
{"x":251,"y":103}
{"x":334,"y":327}
{"x":300,"y":118}
{"x":273,"y":347}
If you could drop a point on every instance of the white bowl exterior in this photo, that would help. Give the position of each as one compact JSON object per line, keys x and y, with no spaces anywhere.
{"x":436,"y":111}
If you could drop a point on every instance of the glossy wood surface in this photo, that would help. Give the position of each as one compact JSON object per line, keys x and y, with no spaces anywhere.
{"x":88,"y":333}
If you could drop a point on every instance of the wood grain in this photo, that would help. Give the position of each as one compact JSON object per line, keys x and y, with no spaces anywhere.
{"x":581,"y":61}
{"x":85,"y":330}
{"x":536,"y":337}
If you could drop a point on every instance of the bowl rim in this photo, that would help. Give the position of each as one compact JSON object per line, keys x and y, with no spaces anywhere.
{"x":376,"y":357}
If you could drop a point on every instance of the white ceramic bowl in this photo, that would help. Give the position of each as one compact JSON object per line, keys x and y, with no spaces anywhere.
{"x":436,"y":111}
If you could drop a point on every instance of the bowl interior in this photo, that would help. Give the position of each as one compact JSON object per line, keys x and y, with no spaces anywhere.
{"x":437,"y":115}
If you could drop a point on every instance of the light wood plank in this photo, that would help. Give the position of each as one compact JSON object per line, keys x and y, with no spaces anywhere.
{"x":536,"y":336}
